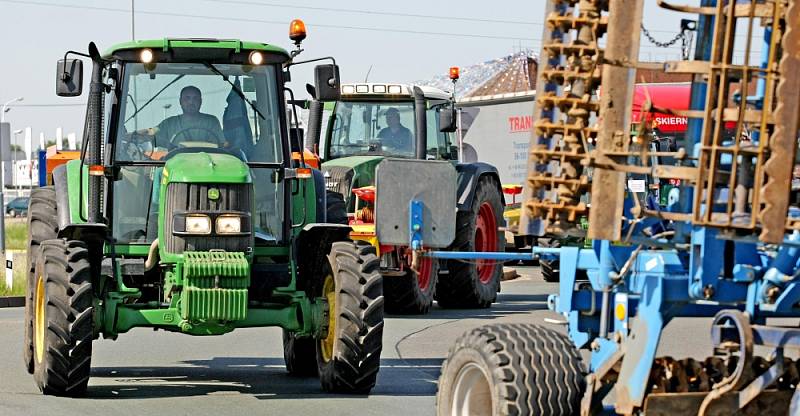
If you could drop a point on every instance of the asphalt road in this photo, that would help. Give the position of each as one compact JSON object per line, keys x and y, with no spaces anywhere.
{"x":149,"y":373}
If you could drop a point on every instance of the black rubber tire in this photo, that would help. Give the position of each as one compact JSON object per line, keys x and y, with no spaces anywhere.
{"x":12,"y":213}
{"x":528,"y":370}
{"x":550,"y":268}
{"x":358,"y":320}
{"x":462,"y":287}
{"x":335,"y":208}
{"x":299,"y":354}
{"x":68,"y":317}
{"x":404,"y":296}
{"x":42,"y":225}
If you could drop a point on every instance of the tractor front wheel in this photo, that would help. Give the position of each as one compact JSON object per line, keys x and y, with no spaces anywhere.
{"x":474,"y":284}
{"x":518,"y":369}
{"x":299,"y":354}
{"x":63,"y":310}
{"x":42,"y":225}
{"x":411,"y":293}
{"x":349,"y":357}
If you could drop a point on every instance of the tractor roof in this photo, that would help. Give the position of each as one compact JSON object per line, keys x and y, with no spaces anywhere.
{"x":382,"y":90}
{"x":168,"y":44}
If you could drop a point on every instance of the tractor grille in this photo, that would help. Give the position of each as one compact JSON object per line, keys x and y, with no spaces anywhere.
{"x":339,"y":179}
{"x":188,"y":197}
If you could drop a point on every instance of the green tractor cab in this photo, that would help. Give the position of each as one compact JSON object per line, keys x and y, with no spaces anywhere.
{"x":186,"y":214}
{"x":372,"y":122}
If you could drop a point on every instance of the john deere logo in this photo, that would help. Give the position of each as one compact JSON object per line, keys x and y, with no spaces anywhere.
{"x":213,"y":194}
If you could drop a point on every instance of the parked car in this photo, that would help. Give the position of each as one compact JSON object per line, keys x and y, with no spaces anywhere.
{"x":18,"y":206}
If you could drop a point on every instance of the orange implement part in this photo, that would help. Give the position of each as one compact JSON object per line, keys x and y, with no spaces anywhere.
{"x":366,"y":193}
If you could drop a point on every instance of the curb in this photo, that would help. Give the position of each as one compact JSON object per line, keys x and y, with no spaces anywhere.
{"x":12,"y":301}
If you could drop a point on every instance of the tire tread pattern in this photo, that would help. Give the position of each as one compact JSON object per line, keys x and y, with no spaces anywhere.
{"x":534,"y":370}
{"x":359,"y":321}
{"x":69,"y":317}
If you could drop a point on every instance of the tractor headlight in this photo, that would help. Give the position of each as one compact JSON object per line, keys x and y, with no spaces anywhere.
{"x":198,"y":224}
{"x":228,"y":224}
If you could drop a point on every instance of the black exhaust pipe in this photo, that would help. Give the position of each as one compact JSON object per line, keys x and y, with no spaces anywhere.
{"x":94,"y":133}
{"x":314,"y":125}
{"x":420,"y":111}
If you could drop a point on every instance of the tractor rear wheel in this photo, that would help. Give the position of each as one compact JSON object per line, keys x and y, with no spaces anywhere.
{"x":348,"y":359}
{"x":474,"y":284}
{"x":64,"y":314}
{"x":42,"y":225}
{"x":411,"y":293}
{"x":336,"y":209}
{"x":518,"y":369}
{"x":299,"y":354}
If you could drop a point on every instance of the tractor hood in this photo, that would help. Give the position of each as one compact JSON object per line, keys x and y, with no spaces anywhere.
{"x":346,"y":173}
{"x":207,"y":168}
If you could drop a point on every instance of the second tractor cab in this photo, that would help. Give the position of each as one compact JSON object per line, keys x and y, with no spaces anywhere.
{"x":375,"y":121}
{"x":193,"y":218}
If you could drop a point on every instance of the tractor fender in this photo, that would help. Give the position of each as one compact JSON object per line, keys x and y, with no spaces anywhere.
{"x":68,"y":227}
{"x":469,"y":174}
{"x":319,"y":189}
{"x":311,"y":247}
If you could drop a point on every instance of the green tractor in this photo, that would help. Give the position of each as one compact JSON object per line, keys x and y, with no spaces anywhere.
{"x":372,"y":122}
{"x":196,"y":220}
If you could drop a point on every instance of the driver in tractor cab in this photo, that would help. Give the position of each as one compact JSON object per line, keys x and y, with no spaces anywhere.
{"x":191,"y":126}
{"x":395,"y":135}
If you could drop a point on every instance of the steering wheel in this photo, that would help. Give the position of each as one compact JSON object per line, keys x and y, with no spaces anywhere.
{"x":210,"y":133}
{"x":133,"y":145}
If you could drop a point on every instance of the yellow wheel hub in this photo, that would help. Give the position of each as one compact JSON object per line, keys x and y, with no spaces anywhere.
{"x":329,"y":291}
{"x":39,"y":320}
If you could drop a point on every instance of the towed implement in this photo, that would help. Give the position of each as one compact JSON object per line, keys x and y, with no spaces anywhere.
{"x":195,"y":222}
{"x":724,"y":249}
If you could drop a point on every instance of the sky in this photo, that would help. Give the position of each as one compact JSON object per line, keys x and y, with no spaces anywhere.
{"x":390,"y":41}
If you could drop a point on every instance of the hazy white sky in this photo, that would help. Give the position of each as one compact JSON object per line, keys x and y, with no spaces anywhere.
{"x":402,"y":41}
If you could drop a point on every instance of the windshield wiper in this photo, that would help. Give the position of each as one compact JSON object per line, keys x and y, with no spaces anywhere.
{"x":154,"y":97}
{"x":235,"y":87}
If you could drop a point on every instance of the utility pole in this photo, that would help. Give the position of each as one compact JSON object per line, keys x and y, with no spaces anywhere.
{"x":5,"y":134}
{"x":133,"y":25}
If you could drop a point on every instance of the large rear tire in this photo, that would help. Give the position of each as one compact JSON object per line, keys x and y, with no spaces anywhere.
{"x":42,"y":225}
{"x":413,"y":292}
{"x":475,"y":284}
{"x":511,"y":369}
{"x":64,"y":316}
{"x":349,"y":357}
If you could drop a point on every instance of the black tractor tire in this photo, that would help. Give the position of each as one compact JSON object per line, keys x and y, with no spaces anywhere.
{"x":335,"y":207}
{"x":463,"y":287}
{"x":42,"y":226}
{"x":355,"y":320}
{"x":511,"y":369}
{"x":405,"y":295}
{"x":65,"y":300}
{"x":550,"y":268}
{"x":300,"y":355}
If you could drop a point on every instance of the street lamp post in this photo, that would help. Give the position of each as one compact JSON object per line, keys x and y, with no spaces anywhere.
{"x":6,"y":109}
{"x":14,"y":181}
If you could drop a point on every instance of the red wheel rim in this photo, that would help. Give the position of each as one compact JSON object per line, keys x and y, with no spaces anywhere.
{"x":424,"y":272}
{"x":486,"y":240}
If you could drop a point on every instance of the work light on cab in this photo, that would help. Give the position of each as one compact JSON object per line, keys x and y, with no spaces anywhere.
{"x":146,"y":56}
{"x":256,"y":58}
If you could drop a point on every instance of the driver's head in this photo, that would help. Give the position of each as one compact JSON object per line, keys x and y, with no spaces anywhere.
{"x":393,"y":117}
{"x":191,"y":100}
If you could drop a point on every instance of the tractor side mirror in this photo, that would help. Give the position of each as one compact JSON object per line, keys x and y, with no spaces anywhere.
{"x":447,"y":120}
{"x":296,"y":139}
{"x":69,"y":78}
{"x":326,"y":82}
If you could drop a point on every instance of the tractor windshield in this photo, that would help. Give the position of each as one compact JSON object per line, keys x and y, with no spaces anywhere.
{"x":164,"y":107}
{"x":383,"y":128}
{"x":173,"y":105}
